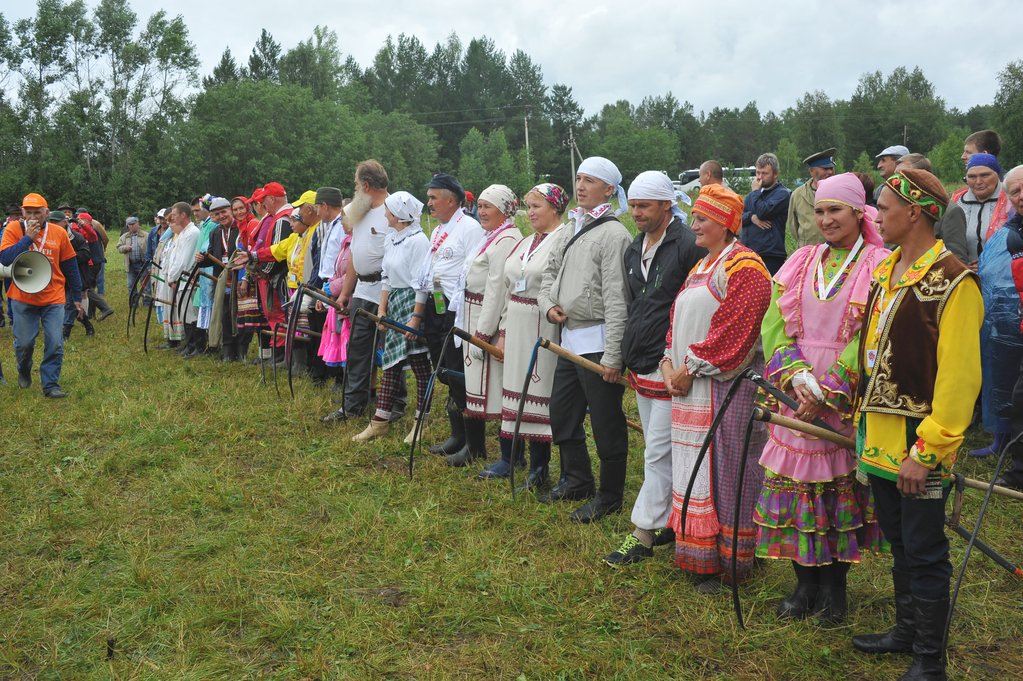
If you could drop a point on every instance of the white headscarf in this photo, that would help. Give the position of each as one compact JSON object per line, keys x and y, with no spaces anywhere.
{"x":500,"y":196}
{"x":404,"y":206}
{"x":654,"y":185}
{"x":606,"y":171}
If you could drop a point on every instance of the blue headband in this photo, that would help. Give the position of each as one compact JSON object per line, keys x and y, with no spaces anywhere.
{"x":826,"y":162}
{"x":986,"y":160}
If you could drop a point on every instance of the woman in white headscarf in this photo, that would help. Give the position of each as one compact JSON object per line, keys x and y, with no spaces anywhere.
{"x":521,"y":323}
{"x":404,"y":250}
{"x":483,"y":374}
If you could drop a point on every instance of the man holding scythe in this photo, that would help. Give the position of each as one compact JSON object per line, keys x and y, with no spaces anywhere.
{"x":584,"y":290}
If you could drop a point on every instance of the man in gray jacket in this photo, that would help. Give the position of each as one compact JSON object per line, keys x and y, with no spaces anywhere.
{"x":584,"y":291}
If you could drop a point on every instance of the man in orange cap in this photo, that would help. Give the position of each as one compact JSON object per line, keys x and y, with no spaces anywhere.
{"x":46,"y":307}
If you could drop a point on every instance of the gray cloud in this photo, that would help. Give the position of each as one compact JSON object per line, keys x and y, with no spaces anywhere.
{"x":725,"y":53}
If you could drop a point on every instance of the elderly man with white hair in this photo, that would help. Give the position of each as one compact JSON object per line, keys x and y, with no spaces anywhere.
{"x":584,"y":291}
{"x":656,"y":265}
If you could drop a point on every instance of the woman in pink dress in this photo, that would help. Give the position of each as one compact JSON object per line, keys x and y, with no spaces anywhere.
{"x":812,"y":511}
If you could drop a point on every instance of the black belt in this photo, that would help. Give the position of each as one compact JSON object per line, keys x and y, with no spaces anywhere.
{"x":369,"y":278}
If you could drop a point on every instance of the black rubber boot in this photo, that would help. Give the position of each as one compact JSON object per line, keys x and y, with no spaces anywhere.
{"x":831,"y":605}
{"x":67,"y":331}
{"x":928,"y":645}
{"x":800,"y":602}
{"x":456,"y":441}
{"x":188,"y":342}
{"x":475,"y":443}
{"x":898,"y":639}
{"x":90,"y":330}
{"x":539,"y":464}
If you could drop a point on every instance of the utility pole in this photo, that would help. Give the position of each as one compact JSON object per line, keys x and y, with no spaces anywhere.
{"x":525,"y":121}
{"x":571,"y":156}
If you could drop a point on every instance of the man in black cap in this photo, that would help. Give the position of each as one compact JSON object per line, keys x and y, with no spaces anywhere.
{"x":801,"y":221}
{"x":439,"y":283}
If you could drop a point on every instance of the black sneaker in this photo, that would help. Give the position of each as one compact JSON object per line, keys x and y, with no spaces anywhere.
{"x":664,"y":536}
{"x":631,"y":551}
{"x":56,"y":393}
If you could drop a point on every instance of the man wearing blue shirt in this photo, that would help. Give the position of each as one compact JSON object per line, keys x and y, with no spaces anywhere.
{"x":764,"y":213}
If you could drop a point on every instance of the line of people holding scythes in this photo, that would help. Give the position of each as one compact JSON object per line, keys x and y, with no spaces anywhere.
{"x":535,"y":332}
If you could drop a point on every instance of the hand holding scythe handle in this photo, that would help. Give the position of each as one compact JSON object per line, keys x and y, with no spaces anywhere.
{"x":326,"y":300}
{"x":492,"y":350}
{"x":588,"y":365}
{"x":577,"y":359}
{"x":761,"y":414}
{"x":284,"y":334}
{"x":391,"y":324}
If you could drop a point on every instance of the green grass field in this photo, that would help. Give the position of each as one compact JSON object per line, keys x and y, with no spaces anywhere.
{"x":177,"y":520}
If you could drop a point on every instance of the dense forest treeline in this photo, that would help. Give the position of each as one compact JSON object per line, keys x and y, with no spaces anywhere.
{"x":109,"y":110}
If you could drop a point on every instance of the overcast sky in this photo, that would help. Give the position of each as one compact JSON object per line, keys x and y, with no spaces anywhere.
{"x":721,"y":53}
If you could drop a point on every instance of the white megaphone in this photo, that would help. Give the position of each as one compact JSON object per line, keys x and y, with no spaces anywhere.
{"x":31,"y":272}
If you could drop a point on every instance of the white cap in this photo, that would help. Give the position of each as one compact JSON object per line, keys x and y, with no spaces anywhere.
{"x":161,"y":213}
{"x":896,"y":150}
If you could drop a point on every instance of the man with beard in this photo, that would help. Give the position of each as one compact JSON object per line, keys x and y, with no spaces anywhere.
{"x":656,"y":265}
{"x":369,"y":226}
{"x":801,"y":221}
{"x":439,"y":283}
{"x":222,"y":243}
{"x":178,"y":258}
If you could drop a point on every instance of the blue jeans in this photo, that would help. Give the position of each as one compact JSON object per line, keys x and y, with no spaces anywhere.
{"x":27,"y":319}
{"x":101,"y":278}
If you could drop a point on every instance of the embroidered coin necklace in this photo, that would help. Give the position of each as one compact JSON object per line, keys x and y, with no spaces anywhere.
{"x":846,"y":264}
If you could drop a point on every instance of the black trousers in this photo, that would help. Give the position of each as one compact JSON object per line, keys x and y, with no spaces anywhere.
{"x":574,"y":389}
{"x":436,"y":327}
{"x":1014,"y":471}
{"x":228,"y":330}
{"x":916,"y":530}
{"x":361,"y":355}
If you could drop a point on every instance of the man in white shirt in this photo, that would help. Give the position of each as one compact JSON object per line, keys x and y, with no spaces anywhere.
{"x":369,"y":225}
{"x":439,"y":282}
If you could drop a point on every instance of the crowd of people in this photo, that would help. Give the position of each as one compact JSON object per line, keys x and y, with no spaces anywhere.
{"x":873,"y":327}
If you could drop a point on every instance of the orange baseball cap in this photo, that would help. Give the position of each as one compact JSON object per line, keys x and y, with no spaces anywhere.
{"x":34,"y":200}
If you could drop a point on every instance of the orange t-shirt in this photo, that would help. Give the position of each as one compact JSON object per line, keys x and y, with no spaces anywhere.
{"x":56,"y":247}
